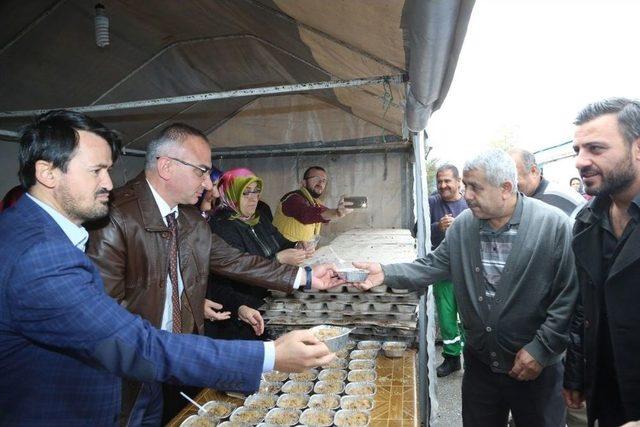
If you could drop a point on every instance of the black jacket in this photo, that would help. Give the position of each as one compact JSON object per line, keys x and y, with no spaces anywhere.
{"x":621,"y":288}
{"x":263,"y":239}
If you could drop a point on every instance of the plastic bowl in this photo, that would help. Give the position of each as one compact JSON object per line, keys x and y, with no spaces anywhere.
{"x":369,"y":345}
{"x":275,"y":376}
{"x":261,"y":400}
{"x":362,"y":364}
{"x":198,"y":421}
{"x":346,"y":417}
{"x":353,"y":274}
{"x":217,"y":409}
{"x":329,"y":387}
{"x":293,"y":387}
{"x":308,"y":375}
{"x":332,"y":375}
{"x":365,"y":388}
{"x":283,"y":417}
{"x":270,"y":386}
{"x":335,"y":337}
{"x":248,"y":415}
{"x":360,"y":375}
{"x":363,"y":354}
{"x":394,"y":348}
{"x":317,"y":417}
{"x":293,"y":401}
{"x":324,"y":401}
{"x":358,"y":403}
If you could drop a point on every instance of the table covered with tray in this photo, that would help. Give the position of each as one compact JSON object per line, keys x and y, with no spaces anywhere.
{"x":394,"y":393}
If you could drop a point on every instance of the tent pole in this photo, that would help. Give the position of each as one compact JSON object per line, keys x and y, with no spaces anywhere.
{"x":9,"y":133}
{"x":269,"y":90}
{"x":425,"y":306}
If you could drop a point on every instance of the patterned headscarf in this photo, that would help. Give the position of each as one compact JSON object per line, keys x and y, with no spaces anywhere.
{"x":232,"y":184}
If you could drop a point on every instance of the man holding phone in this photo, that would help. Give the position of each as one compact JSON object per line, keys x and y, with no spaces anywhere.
{"x":300,"y":214}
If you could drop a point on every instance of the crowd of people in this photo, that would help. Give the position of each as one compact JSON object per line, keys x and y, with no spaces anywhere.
{"x":114,"y":300}
{"x":104,"y":291}
{"x":545,"y":287}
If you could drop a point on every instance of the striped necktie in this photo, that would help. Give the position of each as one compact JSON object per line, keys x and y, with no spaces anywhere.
{"x":173,"y":273}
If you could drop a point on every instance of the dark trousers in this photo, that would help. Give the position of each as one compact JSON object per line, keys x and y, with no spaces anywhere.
{"x":608,"y":409}
{"x":147,"y":410}
{"x":487,"y":397}
{"x":233,"y":329}
{"x":174,"y":402}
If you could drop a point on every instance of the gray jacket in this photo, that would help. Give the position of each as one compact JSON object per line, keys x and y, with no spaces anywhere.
{"x":535,"y":296}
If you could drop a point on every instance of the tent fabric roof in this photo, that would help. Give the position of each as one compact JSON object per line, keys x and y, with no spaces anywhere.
{"x":49,"y":59}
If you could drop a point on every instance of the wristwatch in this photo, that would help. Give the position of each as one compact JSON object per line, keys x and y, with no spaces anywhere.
{"x":307,"y":285}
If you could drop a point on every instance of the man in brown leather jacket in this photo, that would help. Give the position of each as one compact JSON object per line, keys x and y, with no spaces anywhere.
{"x":132,"y":250}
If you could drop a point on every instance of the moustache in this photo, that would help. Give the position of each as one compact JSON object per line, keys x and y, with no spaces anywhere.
{"x":102,"y":191}
{"x":587,"y":171}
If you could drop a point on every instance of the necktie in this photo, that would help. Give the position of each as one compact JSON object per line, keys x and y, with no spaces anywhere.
{"x":173,"y":272}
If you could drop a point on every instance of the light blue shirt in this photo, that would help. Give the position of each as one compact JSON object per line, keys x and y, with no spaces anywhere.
{"x":167,"y":315}
{"x":76,"y":233}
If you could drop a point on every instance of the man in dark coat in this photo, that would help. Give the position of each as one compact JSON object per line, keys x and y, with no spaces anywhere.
{"x":603,"y":360}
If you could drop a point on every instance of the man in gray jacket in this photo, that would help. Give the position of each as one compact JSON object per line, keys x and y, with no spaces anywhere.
{"x":510,"y":259}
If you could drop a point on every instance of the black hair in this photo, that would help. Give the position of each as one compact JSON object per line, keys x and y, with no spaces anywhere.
{"x":306,"y":173}
{"x":449,"y":167}
{"x":53,"y":137}
{"x":626,"y":110}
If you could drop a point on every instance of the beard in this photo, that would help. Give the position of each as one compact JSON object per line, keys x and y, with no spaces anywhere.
{"x":314,"y":193}
{"x":75,"y":208}
{"x":613,"y":181}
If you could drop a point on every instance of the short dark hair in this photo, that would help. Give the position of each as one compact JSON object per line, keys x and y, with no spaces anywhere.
{"x":306,"y":173}
{"x":626,"y":110}
{"x":53,"y":137}
{"x":448,"y":167}
{"x":172,"y":135}
{"x":575,"y":178}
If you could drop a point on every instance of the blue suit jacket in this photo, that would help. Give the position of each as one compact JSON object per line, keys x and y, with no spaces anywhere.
{"x":64,"y":343}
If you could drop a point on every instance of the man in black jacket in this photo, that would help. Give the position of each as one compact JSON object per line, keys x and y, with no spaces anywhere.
{"x":603,"y":360}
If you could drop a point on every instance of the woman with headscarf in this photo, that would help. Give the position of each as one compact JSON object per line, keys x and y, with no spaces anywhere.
{"x":239,"y":223}
{"x":208,"y":202}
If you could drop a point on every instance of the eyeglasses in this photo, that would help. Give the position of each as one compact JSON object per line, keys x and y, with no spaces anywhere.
{"x":255,"y":192}
{"x":318,"y":178}
{"x":200,"y":171}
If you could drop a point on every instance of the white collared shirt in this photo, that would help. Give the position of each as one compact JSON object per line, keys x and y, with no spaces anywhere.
{"x":76,"y":233}
{"x":167,"y":312}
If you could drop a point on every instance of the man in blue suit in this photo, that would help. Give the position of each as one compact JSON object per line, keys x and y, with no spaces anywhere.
{"x":64,"y":344}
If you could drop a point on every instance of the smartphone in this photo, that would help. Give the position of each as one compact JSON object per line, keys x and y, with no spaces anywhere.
{"x":357,"y":202}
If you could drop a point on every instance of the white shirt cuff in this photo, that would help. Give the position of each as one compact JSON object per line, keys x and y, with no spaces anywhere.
{"x":269,"y":361}
{"x":301,"y":279}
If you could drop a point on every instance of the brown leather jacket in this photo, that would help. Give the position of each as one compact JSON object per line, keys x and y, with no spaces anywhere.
{"x":130,"y":248}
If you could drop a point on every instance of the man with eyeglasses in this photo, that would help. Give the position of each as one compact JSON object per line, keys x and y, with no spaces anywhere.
{"x":300,"y":214}
{"x":155,"y":253}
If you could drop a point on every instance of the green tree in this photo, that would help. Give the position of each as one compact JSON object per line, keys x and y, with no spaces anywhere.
{"x":431,"y":167}
{"x":506,"y":139}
